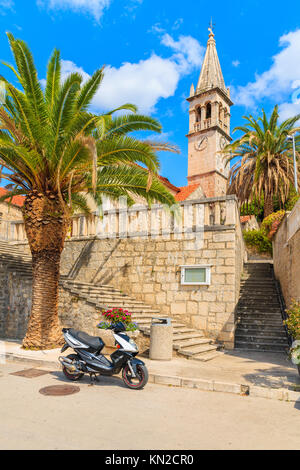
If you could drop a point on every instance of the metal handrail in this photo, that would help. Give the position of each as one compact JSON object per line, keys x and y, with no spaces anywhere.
{"x":283,"y":309}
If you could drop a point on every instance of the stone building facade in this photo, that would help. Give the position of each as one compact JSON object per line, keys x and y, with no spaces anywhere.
{"x":11,"y":217}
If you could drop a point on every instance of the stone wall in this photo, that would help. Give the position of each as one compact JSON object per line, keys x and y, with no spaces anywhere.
{"x":149,"y":267}
{"x":150,"y":271}
{"x":286,"y":254}
{"x":15,"y":303}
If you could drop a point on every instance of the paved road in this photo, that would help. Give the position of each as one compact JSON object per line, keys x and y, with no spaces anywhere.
{"x":109,"y":416}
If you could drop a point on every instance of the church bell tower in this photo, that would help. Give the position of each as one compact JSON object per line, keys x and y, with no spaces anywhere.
{"x":209,"y":126}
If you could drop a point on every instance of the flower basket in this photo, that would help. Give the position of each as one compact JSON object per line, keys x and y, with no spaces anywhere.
{"x":117,"y":315}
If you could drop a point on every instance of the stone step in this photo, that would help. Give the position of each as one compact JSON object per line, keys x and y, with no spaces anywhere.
{"x":262,"y":309}
{"x":260,"y":323}
{"x":254,"y":280}
{"x":198,"y":350}
{"x":183,"y":330}
{"x":195,"y":348}
{"x":266,"y":340}
{"x":88,"y":285}
{"x":260,"y":347}
{"x":259,"y":289}
{"x":259,"y":306}
{"x":135,"y":310}
{"x":260,"y":331}
{"x":205,"y":357}
{"x":182,"y":336}
{"x":182,"y":344}
{"x":259,"y":320}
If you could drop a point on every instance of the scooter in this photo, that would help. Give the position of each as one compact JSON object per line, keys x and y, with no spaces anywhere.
{"x":89,"y":359}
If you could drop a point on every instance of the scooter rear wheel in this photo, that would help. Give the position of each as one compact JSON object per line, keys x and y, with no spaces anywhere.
{"x":74,"y":377}
{"x":138,"y":382}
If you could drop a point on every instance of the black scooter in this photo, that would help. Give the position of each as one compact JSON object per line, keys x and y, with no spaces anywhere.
{"x":89,"y":359}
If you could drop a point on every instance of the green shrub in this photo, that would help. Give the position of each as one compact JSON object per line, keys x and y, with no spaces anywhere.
{"x":258,"y":240}
{"x":271,"y":223}
{"x":293,"y":321}
{"x":292,"y":200}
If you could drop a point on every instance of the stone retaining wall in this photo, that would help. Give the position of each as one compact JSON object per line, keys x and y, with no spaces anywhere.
{"x":15,"y":304}
{"x":150,"y":271}
{"x":286,"y":254}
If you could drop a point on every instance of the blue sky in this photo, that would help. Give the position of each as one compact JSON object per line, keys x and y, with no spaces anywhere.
{"x":153,"y":51}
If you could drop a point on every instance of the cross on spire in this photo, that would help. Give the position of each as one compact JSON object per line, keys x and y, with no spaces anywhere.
{"x":211,"y":27}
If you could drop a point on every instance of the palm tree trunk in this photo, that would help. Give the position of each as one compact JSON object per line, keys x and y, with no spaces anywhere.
{"x":268,"y":205}
{"x":46,"y":224}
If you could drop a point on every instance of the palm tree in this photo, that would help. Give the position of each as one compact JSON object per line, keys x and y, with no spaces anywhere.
{"x":58,"y":154}
{"x":265,"y":160}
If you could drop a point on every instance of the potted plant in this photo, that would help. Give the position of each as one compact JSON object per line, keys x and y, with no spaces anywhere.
{"x":116,"y":315}
{"x":293,"y":325}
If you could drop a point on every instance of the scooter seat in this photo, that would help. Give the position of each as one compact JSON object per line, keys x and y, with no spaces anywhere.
{"x":93,"y":341}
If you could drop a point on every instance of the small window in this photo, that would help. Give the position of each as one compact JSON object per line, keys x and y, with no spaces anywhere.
{"x":197,"y":275}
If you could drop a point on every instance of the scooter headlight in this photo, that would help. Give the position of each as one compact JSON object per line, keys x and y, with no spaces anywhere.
{"x":133,"y":344}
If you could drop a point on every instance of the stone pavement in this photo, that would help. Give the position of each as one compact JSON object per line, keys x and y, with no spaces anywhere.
{"x":268,"y":375}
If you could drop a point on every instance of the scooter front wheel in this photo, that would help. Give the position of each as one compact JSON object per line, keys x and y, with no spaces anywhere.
{"x":138,"y":382}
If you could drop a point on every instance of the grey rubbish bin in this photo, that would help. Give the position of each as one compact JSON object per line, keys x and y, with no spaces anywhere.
{"x":161,"y":339}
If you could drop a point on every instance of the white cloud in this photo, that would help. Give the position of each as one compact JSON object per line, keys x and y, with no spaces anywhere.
{"x":189,"y":53}
{"x":235,"y":63}
{"x":92,"y":7}
{"x":287,"y":110}
{"x":6,"y":4}
{"x":144,"y":83}
{"x":278,"y":81}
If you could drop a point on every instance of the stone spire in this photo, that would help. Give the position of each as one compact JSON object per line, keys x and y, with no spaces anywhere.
{"x":211,"y":74}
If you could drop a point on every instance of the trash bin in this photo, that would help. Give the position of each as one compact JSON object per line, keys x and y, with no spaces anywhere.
{"x":161,"y":339}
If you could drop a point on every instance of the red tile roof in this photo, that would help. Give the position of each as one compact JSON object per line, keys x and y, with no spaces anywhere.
{"x":16,"y":200}
{"x":167,"y":183}
{"x":185,"y":192}
{"x":245,"y":218}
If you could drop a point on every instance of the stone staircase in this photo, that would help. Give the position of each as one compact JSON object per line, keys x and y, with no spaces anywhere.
{"x":259,"y":319}
{"x":188,"y":342}
{"x":15,"y":260}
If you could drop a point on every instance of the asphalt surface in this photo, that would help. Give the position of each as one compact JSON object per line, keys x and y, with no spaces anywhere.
{"x":110,"y":416}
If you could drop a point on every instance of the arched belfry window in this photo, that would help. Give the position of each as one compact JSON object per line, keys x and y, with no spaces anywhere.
{"x":208,"y":111}
{"x":198,"y":114}
{"x":220,"y":112}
